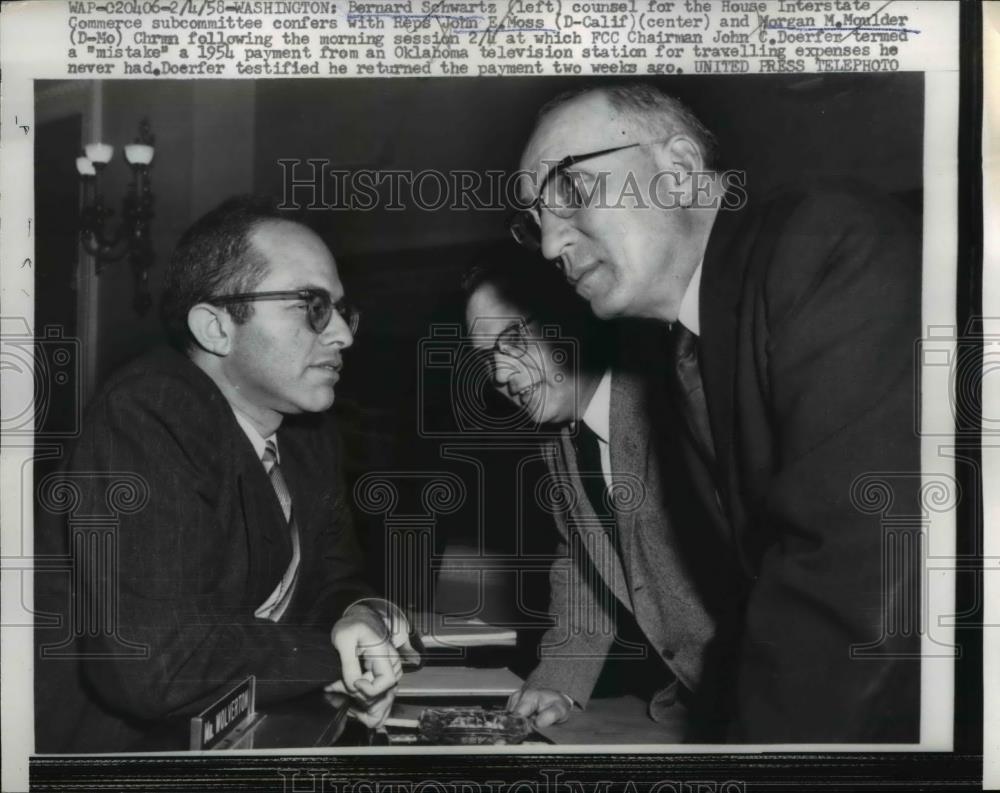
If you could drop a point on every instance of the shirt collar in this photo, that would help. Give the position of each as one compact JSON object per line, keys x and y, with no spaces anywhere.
{"x":597,"y":416}
{"x":259,"y":443}
{"x":690,"y":314}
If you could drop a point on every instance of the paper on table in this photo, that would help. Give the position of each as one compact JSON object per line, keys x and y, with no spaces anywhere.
{"x":443,"y":630}
{"x":458,"y":681}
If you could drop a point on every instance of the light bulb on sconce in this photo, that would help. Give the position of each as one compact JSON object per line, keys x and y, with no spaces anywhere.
{"x":139,"y":154}
{"x":132,"y":237}
{"x":85,"y":167}
{"x":99,"y":153}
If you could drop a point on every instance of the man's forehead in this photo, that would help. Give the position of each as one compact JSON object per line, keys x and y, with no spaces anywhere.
{"x":275,"y":235}
{"x":583,"y":124}
{"x":487,"y":328}
{"x":488,"y":314}
{"x":296,"y":256}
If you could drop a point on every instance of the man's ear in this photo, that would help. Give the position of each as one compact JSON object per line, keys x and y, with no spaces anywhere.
{"x":679,"y":152}
{"x":680,"y":157}
{"x":211,"y":327}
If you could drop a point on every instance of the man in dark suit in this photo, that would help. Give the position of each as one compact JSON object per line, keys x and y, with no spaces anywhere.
{"x":794,"y":323}
{"x":631,"y":615}
{"x":235,"y":554}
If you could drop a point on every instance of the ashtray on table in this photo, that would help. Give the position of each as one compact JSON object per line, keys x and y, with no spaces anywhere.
{"x":472,"y":726}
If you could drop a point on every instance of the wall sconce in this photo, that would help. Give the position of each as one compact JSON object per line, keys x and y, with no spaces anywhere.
{"x":131,"y":238}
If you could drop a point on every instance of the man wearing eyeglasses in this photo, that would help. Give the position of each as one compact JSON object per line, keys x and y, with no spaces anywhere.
{"x":240,"y":557}
{"x":632,"y":612}
{"x":793,"y":323}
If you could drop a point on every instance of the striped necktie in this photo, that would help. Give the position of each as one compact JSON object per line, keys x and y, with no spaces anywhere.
{"x":275,"y":606}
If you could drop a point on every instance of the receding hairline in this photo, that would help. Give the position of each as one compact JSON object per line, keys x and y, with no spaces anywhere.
{"x":548,"y":116}
{"x":670,"y":118}
{"x":578,"y":97}
{"x":271,"y":255}
{"x":287,"y":224}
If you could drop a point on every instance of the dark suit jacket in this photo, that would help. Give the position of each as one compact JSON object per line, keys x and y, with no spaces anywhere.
{"x":657,"y":577}
{"x":810,"y":311}
{"x":192,"y":563}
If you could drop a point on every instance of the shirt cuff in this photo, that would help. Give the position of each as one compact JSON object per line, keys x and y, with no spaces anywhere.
{"x":570,"y":700}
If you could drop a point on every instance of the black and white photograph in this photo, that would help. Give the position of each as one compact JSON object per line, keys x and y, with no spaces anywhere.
{"x":432,"y":428}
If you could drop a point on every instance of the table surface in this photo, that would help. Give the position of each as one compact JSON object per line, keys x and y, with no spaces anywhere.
{"x":320,"y":721}
{"x":617,"y":721}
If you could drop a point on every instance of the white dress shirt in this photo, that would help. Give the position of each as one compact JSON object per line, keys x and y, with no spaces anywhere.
{"x":690,"y":312}
{"x":597,"y":416}
{"x":259,"y":443}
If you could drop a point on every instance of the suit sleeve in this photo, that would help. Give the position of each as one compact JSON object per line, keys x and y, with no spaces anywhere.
{"x":182,"y":570}
{"x":836,"y":319}
{"x":573,"y":651}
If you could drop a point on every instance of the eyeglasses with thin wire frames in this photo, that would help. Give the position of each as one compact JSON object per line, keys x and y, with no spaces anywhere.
{"x":512,"y":342}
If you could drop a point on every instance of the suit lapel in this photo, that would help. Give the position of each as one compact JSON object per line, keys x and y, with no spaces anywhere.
{"x":589,"y":528}
{"x":267,"y":534}
{"x":629,"y":448}
{"x":251,"y":496}
{"x":269,"y":547}
{"x":721,"y":286}
{"x":304,"y":483}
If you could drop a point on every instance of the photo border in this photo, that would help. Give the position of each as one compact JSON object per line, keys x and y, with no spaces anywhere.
{"x":806,"y":770}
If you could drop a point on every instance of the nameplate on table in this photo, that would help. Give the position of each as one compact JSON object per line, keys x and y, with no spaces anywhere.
{"x":225,"y":724}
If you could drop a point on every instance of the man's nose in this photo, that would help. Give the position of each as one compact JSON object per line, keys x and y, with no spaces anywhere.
{"x":502,"y":367}
{"x":337,"y":332}
{"x":556,"y":235}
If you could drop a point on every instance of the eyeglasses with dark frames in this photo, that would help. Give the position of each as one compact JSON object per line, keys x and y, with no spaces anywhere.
{"x":512,"y":342}
{"x":558,"y":194}
{"x":319,"y":306}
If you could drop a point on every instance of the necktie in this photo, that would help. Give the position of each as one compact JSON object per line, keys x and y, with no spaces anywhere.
{"x":689,"y":393}
{"x":276,"y":605}
{"x":270,"y":460}
{"x":588,"y":453}
{"x":625,"y":670}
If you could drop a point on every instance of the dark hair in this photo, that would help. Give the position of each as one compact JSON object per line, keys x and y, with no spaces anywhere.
{"x":657,"y":113}
{"x":537,"y":288}
{"x":214,"y":257}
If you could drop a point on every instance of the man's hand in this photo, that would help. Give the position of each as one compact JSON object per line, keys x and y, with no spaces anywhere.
{"x":371,"y":713}
{"x":544,"y":706}
{"x":369,"y":664}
